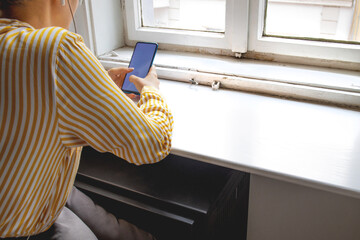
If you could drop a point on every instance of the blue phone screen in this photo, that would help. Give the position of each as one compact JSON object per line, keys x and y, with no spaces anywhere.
{"x":141,"y":61}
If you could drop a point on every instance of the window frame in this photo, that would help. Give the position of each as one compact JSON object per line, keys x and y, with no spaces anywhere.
{"x":337,"y":3}
{"x":242,"y":16}
{"x":325,"y":85}
{"x":233,"y":39}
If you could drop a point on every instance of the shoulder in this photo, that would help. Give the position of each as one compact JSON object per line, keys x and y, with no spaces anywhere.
{"x":54,"y":37}
{"x":69,"y":37}
{"x":64,"y":38}
{"x":48,"y":39}
{"x":70,"y":43}
{"x":49,"y":36}
{"x":56,"y":41}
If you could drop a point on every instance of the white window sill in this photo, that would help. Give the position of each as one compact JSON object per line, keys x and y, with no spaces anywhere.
{"x":324,"y":85}
{"x":303,"y":143}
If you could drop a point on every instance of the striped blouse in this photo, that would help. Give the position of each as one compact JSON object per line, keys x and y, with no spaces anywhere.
{"x":55,"y":97}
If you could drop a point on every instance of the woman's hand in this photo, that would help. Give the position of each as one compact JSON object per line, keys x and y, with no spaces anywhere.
{"x":150,"y":80}
{"x":118,"y":75}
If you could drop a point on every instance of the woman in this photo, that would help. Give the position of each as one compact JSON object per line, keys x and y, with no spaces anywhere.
{"x":55,"y":97}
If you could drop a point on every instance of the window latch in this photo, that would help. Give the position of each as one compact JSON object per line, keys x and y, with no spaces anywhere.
{"x":192,"y":81}
{"x":215,"y":85}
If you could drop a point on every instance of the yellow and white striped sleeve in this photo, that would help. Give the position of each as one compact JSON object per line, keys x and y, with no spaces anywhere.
{"x":93,"y":111}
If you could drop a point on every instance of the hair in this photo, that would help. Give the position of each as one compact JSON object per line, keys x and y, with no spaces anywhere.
{"x":4,"y":4}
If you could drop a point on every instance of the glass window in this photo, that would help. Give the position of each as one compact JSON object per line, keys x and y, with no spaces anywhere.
{"x":333,"y":20}
{"x":198,"y":15}
{"x":212,"y":24}
{"x":255,"y":28}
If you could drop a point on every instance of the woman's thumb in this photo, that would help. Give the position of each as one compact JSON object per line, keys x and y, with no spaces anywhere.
{"x":134,"y":79}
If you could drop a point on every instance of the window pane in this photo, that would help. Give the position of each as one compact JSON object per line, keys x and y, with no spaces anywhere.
{"x":199,"y":15}
{"x":319,"y":19}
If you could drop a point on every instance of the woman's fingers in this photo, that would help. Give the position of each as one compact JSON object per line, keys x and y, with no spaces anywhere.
{"x":118,"y":74}
{"x":150,"y":80}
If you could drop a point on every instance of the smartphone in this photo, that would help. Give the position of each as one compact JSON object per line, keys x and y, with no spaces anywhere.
{"x":141,"y":60}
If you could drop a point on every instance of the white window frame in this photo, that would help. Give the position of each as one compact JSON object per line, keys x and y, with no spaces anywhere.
{"x":332,"y":51}
{"x":234,"y":38}
{"x":108,"y":40}
{"x":336,"y":3}
{"x":243,"y":33}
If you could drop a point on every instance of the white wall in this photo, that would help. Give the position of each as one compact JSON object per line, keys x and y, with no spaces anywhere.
{"x":103,"y":20}
{"x":83,"y":25}
{"x":285,"y":211}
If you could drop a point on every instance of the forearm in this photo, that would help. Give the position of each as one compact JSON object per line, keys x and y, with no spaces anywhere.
{"x":160,"y":120}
